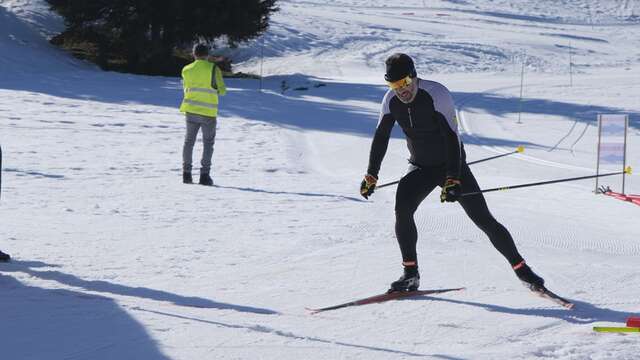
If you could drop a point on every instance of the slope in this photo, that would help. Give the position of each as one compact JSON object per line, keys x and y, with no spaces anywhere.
{"x":108,"y":242}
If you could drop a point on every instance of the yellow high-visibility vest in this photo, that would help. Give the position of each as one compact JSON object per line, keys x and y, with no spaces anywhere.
{"x":200,"y":97}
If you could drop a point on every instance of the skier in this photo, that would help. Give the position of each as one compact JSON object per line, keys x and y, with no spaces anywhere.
{"x":202,"y":83}
{"x":3,"y":257}
{"x":425,"y":111}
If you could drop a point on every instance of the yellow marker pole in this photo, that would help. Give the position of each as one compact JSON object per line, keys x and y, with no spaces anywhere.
{"x":615,"y":329}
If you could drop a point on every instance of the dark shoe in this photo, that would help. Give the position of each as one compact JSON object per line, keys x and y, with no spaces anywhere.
{"x":206,"y":180}
{"x":4,"y":257}
{"x":528,"y":277}
{"x":409,"y":281}
{"x":186,"y":178}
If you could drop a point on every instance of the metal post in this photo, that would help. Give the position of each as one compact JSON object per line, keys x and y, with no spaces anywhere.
{"x":624,"y":154}
{"x":524,"y":60}
{"x":598,"y":156}
{"x":570,"y":65}
{"x":261,"y":58}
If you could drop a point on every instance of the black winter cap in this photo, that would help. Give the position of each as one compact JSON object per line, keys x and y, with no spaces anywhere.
{"x":399,"y":66}
{"x":200,"y":49}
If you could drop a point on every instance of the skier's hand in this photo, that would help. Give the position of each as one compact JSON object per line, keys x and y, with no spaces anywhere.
{"x":451,"y":190}
{"x":367,"y":185}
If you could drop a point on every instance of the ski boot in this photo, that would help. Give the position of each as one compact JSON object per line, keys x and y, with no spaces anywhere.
{"x":529,"y":279}
{"x":409,"y":281}
{"x":206,"y":180}
{"x":187,"y":178}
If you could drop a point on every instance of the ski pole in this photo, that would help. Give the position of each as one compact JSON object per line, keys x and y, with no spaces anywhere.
{"x":520,"y":149}
{"x":627,"y":170}
{"x":387,"y":184}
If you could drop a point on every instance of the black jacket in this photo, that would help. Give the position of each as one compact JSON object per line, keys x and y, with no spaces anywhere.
{"x":429,"y":124}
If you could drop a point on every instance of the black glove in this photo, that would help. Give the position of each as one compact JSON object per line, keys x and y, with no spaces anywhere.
{"x":451,"y":190}
{"x":367,"y":185}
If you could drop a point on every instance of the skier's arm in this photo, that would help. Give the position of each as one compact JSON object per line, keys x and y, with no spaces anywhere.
{"x":445,"y":108}
{"x":380,"y":143}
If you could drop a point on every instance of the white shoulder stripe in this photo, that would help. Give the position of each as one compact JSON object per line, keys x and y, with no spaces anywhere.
{"x":442,"y":101}
{"x":385,"y":102}
{"x":384,"y":110}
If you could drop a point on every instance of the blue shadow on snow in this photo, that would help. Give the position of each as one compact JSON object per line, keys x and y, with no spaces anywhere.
{"x":583,"y":313}
{"x":63,"y":324}
{"x":100,"y":286}
{"x":337,"y":197}
{"x":324,"y":108}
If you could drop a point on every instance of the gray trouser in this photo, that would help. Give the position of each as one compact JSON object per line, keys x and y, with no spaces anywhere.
{"x":208,"y":125}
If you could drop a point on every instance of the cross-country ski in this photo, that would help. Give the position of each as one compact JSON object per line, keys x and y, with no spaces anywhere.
{"x":548,"y":294}
{"x":396,"y":295}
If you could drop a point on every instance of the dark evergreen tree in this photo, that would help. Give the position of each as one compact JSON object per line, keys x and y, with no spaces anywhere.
{"x":144,"y":34}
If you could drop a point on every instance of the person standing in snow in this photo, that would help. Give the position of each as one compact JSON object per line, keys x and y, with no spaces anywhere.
{"x":202,"y":83}
{"x":426,"y":113}
{"x":3,"y":257}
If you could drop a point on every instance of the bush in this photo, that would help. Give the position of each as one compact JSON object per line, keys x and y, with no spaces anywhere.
{"x":155,"y":36}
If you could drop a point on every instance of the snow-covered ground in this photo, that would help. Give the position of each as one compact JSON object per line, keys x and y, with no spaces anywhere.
{"x":114,"y":258}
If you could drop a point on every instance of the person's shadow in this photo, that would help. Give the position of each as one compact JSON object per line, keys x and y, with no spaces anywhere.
{"x":62,"y":324}
{"x":583,"y":312}
{"x":100,"y":286}
{"x":275,"y":192}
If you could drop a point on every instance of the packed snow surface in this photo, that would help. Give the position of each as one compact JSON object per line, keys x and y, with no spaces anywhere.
{"x":115,"y":258}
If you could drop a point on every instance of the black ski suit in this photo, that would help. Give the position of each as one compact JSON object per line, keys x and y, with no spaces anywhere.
{"x":429,"y":124}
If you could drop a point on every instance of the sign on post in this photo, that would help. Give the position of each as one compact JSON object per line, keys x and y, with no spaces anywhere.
{"x":612,"y":142}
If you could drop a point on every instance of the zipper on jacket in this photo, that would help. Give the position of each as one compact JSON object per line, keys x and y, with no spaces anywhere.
{"x":410,"y":117}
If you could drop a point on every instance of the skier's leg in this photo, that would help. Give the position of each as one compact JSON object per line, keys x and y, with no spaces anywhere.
{"x":412,"y":190}
{"x":476,"y":208}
